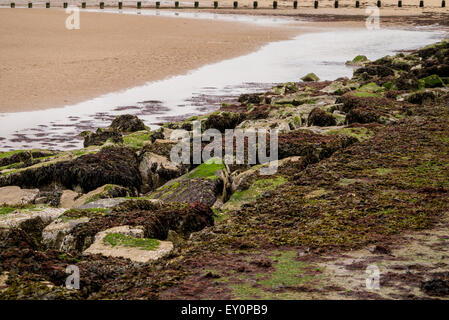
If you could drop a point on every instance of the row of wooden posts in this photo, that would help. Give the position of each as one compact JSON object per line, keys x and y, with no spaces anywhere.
{"x":235,"y":4}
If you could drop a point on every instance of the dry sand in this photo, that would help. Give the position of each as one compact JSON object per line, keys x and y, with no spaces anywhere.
{"x":45,"y":65}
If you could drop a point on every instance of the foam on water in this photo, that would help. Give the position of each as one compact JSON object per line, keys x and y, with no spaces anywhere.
{"x":323,"y":53}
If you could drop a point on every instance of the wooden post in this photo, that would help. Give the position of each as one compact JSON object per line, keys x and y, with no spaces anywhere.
{"x":101,"y":5}
{"x":120,"y":5}
{"x":315,"y":4}
{"x":139,"y":4}
{"x":400,"y":4}
{"x":421,"y":4}
{"x":275,"y":4}
{"x":443,"y":4}
{"x":176,"y":4}
{"x":197,"y":4}
{"x":215,"y":4}
{"x":64,"y":5}
{"x":158,"y":4}
{"x":379,"y":3}
{"x":236,"y":4}
{"x":30,"y":5}
{"x":47,"y":5}
{"x":255,"y":4}
{"x":295,"y":4}
{"x":357,"y":4}
{"x":83,"y":5}
{"x":13,"y":5}
{"x":336,"y":4}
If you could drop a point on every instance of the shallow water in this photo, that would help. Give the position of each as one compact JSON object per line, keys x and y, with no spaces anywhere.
{"x":201,"y":90}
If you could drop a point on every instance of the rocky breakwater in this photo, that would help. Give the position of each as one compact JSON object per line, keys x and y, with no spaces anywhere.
{"x":361,"y":161}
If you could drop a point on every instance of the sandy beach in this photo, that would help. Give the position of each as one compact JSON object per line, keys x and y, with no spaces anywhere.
{"x":45,"y":65}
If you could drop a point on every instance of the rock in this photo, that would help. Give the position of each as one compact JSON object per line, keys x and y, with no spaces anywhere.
{"x":436,"y":287}
{"x":223,"y":120}
{"x":103,"y":192}
{"x":14,"y":196}
{"x":284,"y":89}
{"x":313,"y":147}
{"x":204,"y":184}
{"x":421,"y":97}
{"x":362,"y":115}
{"x":103,"y":203}
{"x":242,"y":181}
{"x":432,"y":81}
{"x":250,"y":98}
{"x":112,"y":165}
{"x":57,"y":234}
{"x":99,"y":137}
{"x":380,"y":71}
{"x":127,"y":248}
{"x":160,"y":147}
{"x":310,"y":77}
{"x":32,"y":220}
{"x":359,"y":60}
{"x":156,"y":170}
{"x":127,"y":123}
{"x":68,"y":199}
{"x":319,"y":117}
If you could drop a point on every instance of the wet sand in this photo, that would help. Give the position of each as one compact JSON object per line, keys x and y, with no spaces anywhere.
{"x":44,"y":65}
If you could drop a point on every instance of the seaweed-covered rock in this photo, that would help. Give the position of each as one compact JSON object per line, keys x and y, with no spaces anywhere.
{"x":310,"y":77}
{"x":155,"y":219}
{"x":362,"y":115}
{"x":156,"y":170}
{"x":99,"y":137}
{"x":253,"y":98}
{"x":321,"y":118}
{"x":422,"y":97}
{"x":128,"y":242}
{"x":313,"y":147}
{"x":104,"y":192}
{"x":223,"y":120}
{"x":113,"y":165}
{"x":205,"y":184}
{"x":432,"y":81}
{"x":127,"y":123}
{"x":359,"y":60}
{"x":375,"y":70}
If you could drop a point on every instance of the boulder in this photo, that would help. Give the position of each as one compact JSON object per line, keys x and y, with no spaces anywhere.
{"x":99,"y":137}
{"x":57,"y":234}
{"x":310,"y":77}
{"x":156,"y":170}
{"x":319,"y":117}
{"x":362,"y":115}
{"x":127,"y":123}
{"x":32,"y":221}
{"x":68,"y":199}
{"x":14,"y":196}
{"x":127,"y":242}
{"x":358,"y":61}
{"x":204,"y":184}
{"x":103,"y":192}
{"x":432,"y":81}
{"x":112,"y":165}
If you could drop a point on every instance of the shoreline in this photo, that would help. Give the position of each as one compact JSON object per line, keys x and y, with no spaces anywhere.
{"x":200,"y":92}
{"x":127,"y":57}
